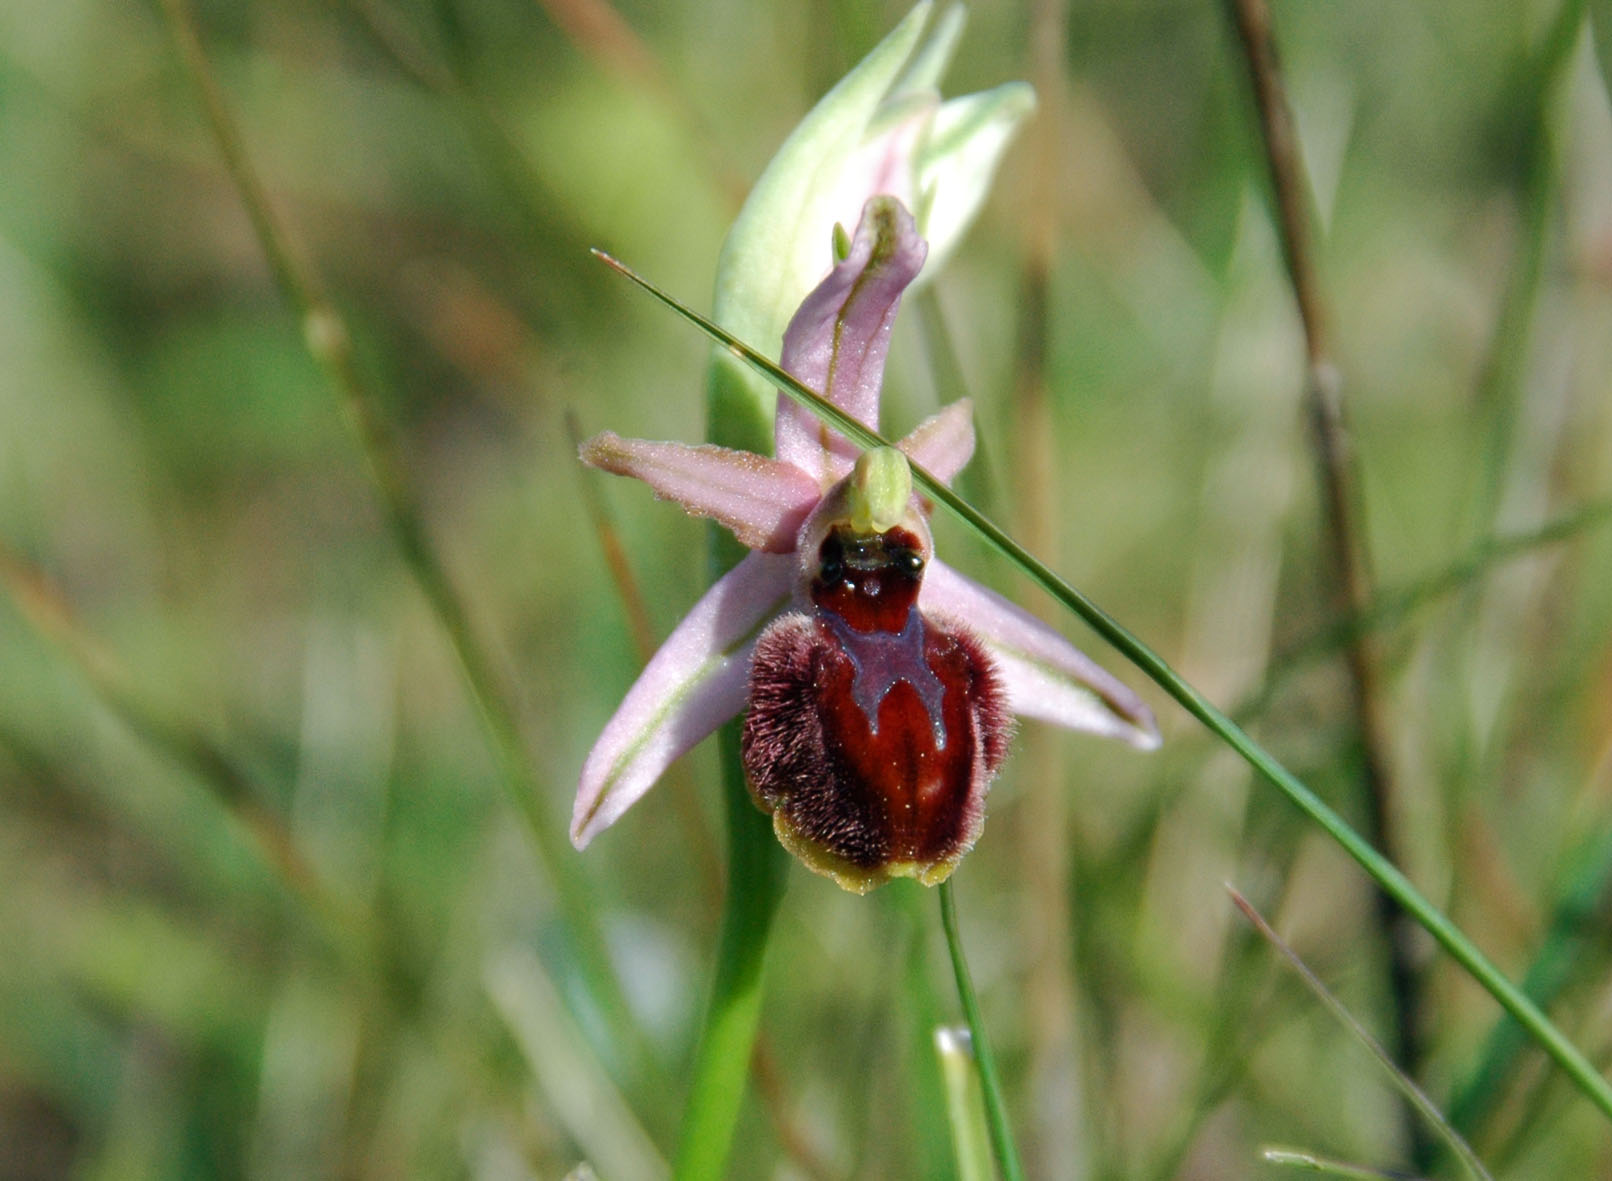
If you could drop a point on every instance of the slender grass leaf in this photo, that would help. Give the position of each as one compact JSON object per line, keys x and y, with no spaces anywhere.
{"x":1380,"y":869}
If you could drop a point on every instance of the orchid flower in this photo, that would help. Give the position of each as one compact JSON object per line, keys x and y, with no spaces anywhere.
{"x":878,"y":685}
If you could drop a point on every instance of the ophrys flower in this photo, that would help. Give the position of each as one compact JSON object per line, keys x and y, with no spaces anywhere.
{"x":878,"y":683}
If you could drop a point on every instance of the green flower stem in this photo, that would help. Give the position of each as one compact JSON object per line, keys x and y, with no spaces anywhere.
{"x":757,"y":873}
{"x":327,"y":340}
{"x":1007,"y":1156}
{"x":1382,"y":871}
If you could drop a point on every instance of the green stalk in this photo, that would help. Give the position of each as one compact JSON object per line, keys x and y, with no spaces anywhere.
{"x":996,"y":1117}
{"x":757,"y":873}
{"x":1379,"y":868}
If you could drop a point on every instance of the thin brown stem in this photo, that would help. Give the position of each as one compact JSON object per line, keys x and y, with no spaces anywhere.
{"x":1344,"y":517}
{"x":326,"y":337}
{"x":775,"y":1100}
{"x":615,"y":554}
{"x":1412,"y":1093}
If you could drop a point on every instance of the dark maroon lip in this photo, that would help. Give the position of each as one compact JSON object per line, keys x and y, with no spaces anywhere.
{"x":873,"y":731}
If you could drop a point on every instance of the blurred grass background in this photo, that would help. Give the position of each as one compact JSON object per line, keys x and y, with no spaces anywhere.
{"x":264,"y":907}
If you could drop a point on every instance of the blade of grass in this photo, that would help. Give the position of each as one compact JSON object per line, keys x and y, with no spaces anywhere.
{"x":1413,"y":1094}
{"x":1503,"y":379}
{"x":1231,"y":1040}
{"x":996,"y":1116}
{"x":327,"y":340}
{"x":1534,"y":160}
{"x":359,"y":941}
{"x":965,"y":1104}
{"x":1297,"y":1158}
{"x":1382,"y":871}
{"x":594,"y":1112}
{"x":922,"y":1014}
{"x":1487,"y":647}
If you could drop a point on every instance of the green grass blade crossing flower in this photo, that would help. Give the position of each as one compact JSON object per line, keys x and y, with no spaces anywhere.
{"x":1527,"y":1014}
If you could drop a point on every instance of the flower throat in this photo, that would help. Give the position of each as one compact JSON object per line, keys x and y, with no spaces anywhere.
{"x":866,"y":589}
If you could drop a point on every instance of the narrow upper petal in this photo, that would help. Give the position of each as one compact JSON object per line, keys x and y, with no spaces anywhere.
{"x":942,"y":444}
{"x":1045,"y":676}
{"x":762,"y":500}
{"x":838,"y":340}
{"x":691,"y":686}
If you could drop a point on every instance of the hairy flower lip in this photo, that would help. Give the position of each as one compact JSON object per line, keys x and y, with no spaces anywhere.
{"x":873,"y":751}
{"x":781,"y":508}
